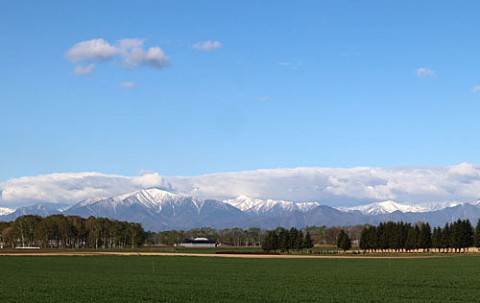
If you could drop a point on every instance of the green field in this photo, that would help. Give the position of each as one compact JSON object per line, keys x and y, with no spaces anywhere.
{"x":201,"y":279}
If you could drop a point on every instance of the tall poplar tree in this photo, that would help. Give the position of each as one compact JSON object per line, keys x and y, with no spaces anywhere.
{"x":343,"y":241}
{"x":308,"y":243}
{"x":477,"y":235}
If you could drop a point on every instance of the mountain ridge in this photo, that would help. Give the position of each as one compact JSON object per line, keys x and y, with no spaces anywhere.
{"x":158,"y":209}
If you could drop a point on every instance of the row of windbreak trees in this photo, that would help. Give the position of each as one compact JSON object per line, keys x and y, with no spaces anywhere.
{"x":250,"y":237}
{"x":399,"y":236}
{"x":284,"y":240}
{"x":59,"y":231}
{"x":227,"y":236}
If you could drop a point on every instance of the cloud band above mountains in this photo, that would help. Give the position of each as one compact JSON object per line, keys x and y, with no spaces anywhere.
{"x":73,"y":187}
{"x":332,"y":186}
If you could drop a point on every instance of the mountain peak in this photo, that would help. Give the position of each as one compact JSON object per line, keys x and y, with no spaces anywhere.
{"x":91,"y":200}
{"x":476,"y":202}
{"x":153,"y":195}
{"x":159,"y":209}
{"x":269,"y":206}
{"x":243,"y":198}
{"x":158,"y":193}
{"x":386,"y":207}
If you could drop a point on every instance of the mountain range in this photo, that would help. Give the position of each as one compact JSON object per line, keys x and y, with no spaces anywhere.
{"x":158,"y":209}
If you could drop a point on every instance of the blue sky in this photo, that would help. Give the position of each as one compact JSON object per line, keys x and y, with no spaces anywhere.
{"x":304,"y":83}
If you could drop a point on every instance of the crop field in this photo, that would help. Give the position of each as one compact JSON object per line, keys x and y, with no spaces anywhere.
{"x":204,"y":279}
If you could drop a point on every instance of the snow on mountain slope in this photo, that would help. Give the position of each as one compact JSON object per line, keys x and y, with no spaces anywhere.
{"x":386,"y":207}
{"x":433,"y":206}
{"x":153,"y":199}
{"x":40,"y":209}
{"x":90,"y":200}
{"x":147,"y":196}
{"x":161,"y":210}
{"x":6,"y":211}
{"x":274,"y":207}
{"x":476,"y":203}
{"x":158,"y":210}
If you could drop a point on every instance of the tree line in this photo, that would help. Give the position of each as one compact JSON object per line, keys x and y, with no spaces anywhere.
{"x":59,"y":231}
{"x":249,"y":237}
{"x":399,"y":236}
{"x":254,"y":236}
{"x":282,"y":239}
{"x":227,"y":236}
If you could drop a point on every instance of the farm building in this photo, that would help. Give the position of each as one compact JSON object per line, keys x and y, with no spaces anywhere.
{"x":198,"y":242}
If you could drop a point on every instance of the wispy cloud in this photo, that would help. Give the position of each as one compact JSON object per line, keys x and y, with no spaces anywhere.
{"x":291,"y":65}
{"x":207,"y":45}
{"x":264,"y":98}
{"x":131,"y":43}
{"x":476,"y":89}
{"x":423,"y":72}
{"x":128,"y":84}
{"x":130,"y":52}
{"x":84,"y":70}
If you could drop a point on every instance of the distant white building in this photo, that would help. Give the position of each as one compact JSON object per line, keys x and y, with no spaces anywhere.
{"x":198,"y":242}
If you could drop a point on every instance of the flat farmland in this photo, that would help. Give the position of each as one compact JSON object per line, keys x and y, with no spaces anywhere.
{"x":205,"y":279}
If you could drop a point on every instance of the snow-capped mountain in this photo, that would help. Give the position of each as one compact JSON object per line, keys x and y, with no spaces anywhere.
{"x":269,"y":207}
{"x":157,"y":209}
{"x":6,"y":211}
{"x":433,"y":206}
{"x":152,"y":199}
{"x":476,"y":203}
{"x":386,"y":207}
{"x":40,"y":209}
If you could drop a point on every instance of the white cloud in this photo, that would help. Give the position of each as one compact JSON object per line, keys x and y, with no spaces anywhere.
{"x":207,"y":45}
{"x":424,"y":72}
{"x":92,"y":50}
{"x":464,"y":169}
{"x":72,"y":187}
{"x":331,"y":186}
{"x":131,"y":43}
{"x":134,"y":55}
{"x":130,"y":52}
{"x":155,"y":57}
{"x":264,"y":98}
{"x":149,"y":179}
{"x":476,"y":89}
{"x":128,"y":84}
{"x":343,"y":186}
{"x":84,"y":70}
